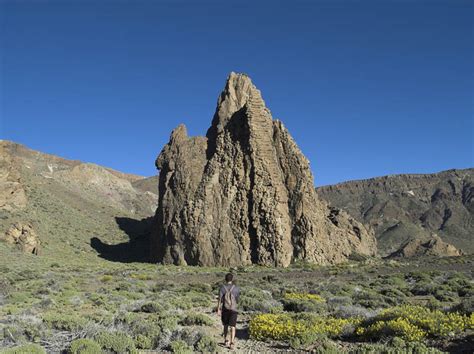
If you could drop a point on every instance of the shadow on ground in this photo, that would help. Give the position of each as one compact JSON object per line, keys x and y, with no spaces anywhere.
{"x":242,"y":333}
{"x":137,"y":249}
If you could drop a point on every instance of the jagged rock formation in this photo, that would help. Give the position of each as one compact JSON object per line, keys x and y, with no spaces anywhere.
{"x":401,"y":208}
{"x":245,"y":194}
{"x":24,"y":237}
{"x":433,"y":247}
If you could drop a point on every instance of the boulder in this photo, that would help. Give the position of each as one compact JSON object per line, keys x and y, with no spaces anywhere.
{"x":24,"y":237}
{"x":432,"y":247}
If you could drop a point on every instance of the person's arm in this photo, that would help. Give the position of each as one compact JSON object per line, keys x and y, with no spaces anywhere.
{"x":219,"y":305}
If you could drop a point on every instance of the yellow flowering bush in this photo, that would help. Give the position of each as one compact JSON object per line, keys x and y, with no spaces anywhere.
{"x":303,"y":302}
{"x":286,"y":326}
{"x":399,"y":327}
{"x":414,"y":323}
{"x":434,"y":322}
{"x":303,"y":297}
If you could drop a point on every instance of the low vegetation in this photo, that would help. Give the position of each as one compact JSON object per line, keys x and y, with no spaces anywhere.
{"x":372,"y":306}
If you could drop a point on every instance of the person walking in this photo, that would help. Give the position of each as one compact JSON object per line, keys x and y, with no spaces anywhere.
{"x":227,"y":308}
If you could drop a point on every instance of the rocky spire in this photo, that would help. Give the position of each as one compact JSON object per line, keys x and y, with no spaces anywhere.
{"x":245,"y":194}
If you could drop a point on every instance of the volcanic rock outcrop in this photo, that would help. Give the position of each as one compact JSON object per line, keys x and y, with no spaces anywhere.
{"x":12,"y":193}
{"x":245,"y":194}
{"x":24,"y":237}
{"x":433,"y":247}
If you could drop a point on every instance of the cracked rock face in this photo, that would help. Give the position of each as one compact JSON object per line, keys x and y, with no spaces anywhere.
{"x":244,"y":194}
{"x":24,"y":237}
{"x":12,"y":192}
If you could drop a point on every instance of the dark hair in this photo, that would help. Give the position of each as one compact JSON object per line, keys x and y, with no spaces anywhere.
{"x":229,"y":277}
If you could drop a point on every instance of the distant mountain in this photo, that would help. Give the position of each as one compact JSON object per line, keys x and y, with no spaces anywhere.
{"x":408,"y":207}
{"x":75,"y":208}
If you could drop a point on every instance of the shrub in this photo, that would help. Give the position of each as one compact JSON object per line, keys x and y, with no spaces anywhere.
{"x":414,"y":323}
{"x":304,"y":297}
{"x":117,"y":341}
{"x":370,"y":299}
{"x":337,"y":301}
{"x":410,"y":347}
{"x":106,"y":278}
{"x":199,"y":287}
{"x":258,"y":300}
{"x":84,"y":346}
{"x":353,"y":311}
{"x":190,"y":300}
{"x":466,"y":306}
{"x":288,"y":326}
{"x":196,"y":319}
{"x":168,"y":323}
{"x":25,"y":349}
{"x":396,"y":327}
{"x":320,"y":343}
{"x":152,"y":307}
{"x":64,"y":322}
{"x":180,"y":347}
{"x":143,"y":341}
{"x":206,"y":345}
{"x":434,"y":322}
{"x":301,"y":302}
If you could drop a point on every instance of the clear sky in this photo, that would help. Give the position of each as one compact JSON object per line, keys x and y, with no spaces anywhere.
{"x":366,"y":88}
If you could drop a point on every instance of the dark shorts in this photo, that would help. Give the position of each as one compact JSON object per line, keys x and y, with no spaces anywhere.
{"x":229,"y":318}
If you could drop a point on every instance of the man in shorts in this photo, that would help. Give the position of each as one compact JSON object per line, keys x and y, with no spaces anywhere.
{"x":227,"y":308}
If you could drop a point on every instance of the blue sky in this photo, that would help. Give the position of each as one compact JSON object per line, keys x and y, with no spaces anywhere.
{"x":366,"y":88}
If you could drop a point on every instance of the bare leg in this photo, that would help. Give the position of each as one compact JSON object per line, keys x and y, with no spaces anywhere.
{"x":232,"y":337}
{"x":226,"y":331}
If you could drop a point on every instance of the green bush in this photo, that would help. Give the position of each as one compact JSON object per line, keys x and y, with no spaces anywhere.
{"x":106,"y":278}
{"x":206,"y":345}
{"x":168,"y":323}
{"x":152,"y":307}
{"x":258,"y":300}
{"x":25,"y":349}
{"x":143,"y":341}
{"x":466,"y":306}
{"x":307,"y":340}
{"x":64,"y":322}
{"x":199,"y":287}
{"x":370,"y":299}
{"x":84,"y":346}
{"x":198,"y":319}
{"x":117,"y":342}
{"x":303,"y":305}
{"x":180,"y":347}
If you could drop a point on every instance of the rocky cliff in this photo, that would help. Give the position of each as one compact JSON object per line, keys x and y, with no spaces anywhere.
{"x":402,"y":208}
{"x":245,"y":194}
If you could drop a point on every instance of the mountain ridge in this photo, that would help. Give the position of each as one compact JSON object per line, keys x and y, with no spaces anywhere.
{"x":410,"y":206}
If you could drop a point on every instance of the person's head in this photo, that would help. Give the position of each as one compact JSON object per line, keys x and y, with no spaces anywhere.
{"x":229,"y":277}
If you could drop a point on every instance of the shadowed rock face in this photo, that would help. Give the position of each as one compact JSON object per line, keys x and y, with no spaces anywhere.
{"x":245,"y":194}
